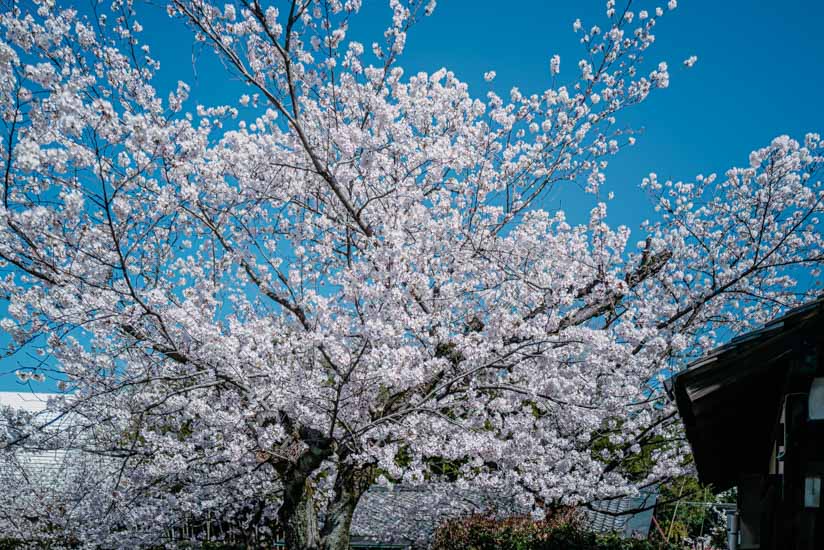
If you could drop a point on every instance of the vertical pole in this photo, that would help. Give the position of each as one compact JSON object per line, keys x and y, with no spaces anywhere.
{"x":675,"y":510}
{"x":732,"y":529}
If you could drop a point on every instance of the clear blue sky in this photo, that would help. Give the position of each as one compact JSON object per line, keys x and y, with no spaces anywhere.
{"x":759,"y":74}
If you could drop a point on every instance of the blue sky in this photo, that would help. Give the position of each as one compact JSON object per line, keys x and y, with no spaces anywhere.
{"x":758,"y":76}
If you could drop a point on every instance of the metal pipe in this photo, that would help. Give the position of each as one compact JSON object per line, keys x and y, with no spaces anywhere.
{"x":732,"y":530}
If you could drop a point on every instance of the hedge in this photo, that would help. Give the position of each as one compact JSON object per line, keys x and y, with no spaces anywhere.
{"x":562,"y":532}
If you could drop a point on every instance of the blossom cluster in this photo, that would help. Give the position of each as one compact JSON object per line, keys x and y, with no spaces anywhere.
{"x":346,"y":273}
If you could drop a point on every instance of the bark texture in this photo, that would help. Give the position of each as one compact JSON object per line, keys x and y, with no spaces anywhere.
{"x":299,"y":518}
{"x":350,"y":484}
{"x":297,"y":515}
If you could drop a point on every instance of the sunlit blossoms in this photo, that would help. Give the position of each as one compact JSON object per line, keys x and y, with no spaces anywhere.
{"x":344,"y":276}
{"x":555,"y":65}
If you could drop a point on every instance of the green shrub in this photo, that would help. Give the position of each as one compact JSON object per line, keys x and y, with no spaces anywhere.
{"x":564,"y":531}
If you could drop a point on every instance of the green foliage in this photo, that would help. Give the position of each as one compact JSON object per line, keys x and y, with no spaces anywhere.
{"x":635,"y":465}
{"x":563,"y":531}
{"x":681,"y":517}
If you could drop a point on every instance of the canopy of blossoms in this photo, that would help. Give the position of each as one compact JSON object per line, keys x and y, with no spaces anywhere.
{"x":345,"y":277}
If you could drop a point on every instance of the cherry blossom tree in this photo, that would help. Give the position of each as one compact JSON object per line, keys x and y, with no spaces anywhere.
{"x":346,"y":276}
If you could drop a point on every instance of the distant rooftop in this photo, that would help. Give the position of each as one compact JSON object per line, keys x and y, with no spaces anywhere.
{"x":26,"y":400}
{"x":407,"y":516}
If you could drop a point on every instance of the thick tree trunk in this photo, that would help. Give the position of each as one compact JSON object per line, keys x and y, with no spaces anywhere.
{"x":299,"y":518}
{"x":297,"y":515}
{"x":350,"y":484}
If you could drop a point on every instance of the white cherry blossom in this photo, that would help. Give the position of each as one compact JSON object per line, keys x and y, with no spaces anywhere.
{"x":346,"y":275}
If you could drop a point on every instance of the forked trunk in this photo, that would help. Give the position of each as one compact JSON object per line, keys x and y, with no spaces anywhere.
{"x":350,"y":484}
{"x":297,"y":515}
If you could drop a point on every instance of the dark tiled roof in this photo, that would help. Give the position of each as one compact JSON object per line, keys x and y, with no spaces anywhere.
{"x":409,"y":515}
{"x":630,"y":516}
{"x":730,"y":399}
